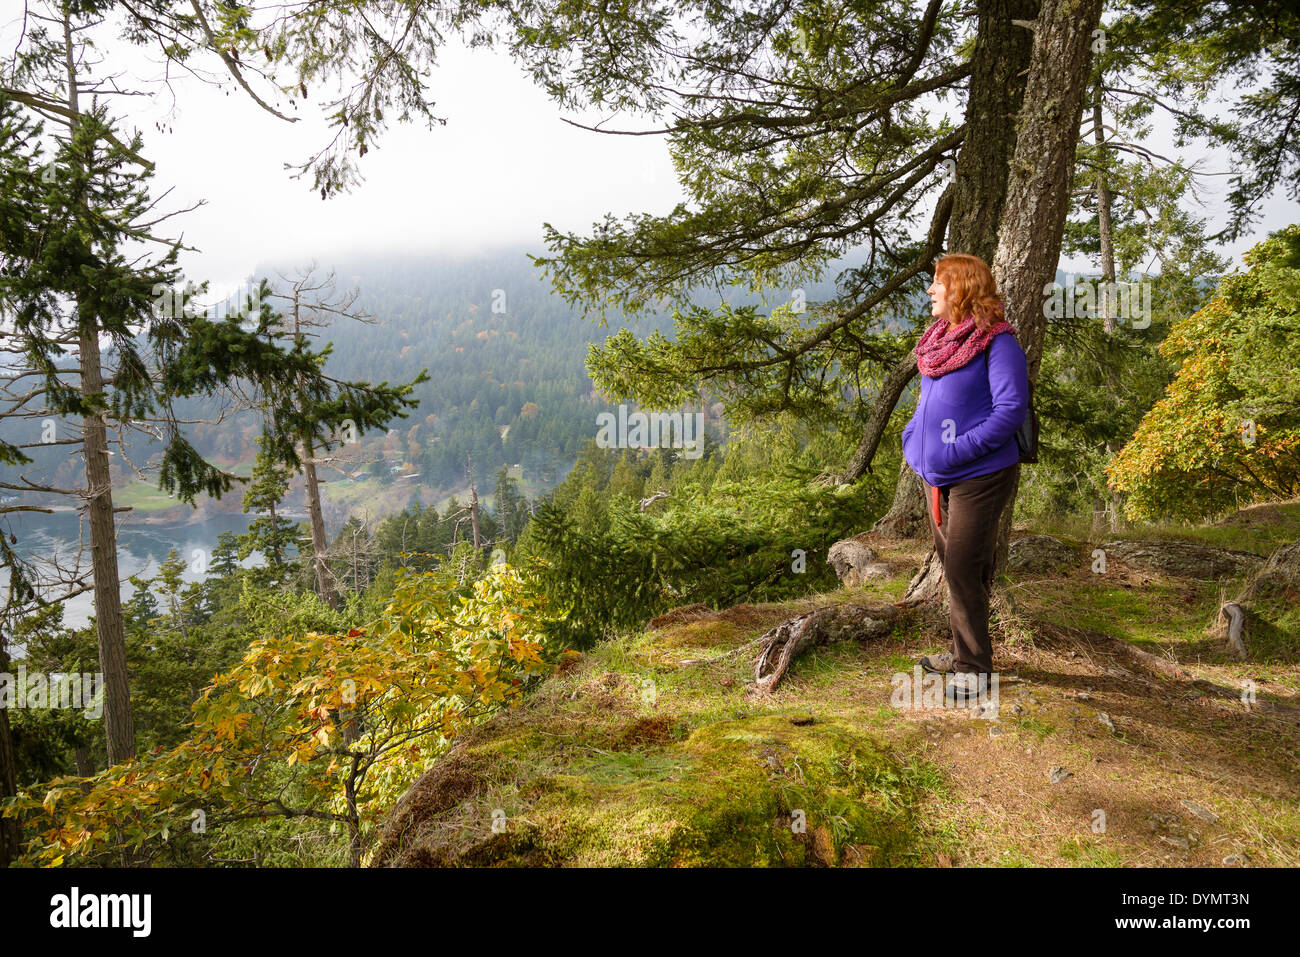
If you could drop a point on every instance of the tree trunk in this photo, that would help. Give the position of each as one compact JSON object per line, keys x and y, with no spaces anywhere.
{"x":907,"y":517}
{"x":997,"y":86}
{"x":928,"y":584}
{"x":277,"y":555}
{"x":1118,"y":523}
{"x":1100,"y":522}
{"x":356,"y":572}
{"x":997,"y":90}
{"x":319,"y":544}
{"x":85,"y":767}
{"x":890,"y":391}
{"x":1042,"y":168}
{"x":1104,"y":228}
{"x":119,"y":728}
{"x":10,"y":839}
{"x":473,"y":504}
{"x":1106,"y":237}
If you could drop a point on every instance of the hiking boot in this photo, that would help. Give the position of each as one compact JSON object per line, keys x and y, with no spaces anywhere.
{"x":964,"y":685}
{"x":937,"y":664}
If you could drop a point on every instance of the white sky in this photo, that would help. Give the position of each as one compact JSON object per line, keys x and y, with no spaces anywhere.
{"x":502,"y":165}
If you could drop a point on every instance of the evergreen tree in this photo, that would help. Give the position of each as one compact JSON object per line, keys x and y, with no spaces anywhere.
{"x":510,"y":509}
{"x":270,"y":533}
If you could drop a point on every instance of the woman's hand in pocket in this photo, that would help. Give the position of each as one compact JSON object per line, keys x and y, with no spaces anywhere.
{"x":949,"y":455}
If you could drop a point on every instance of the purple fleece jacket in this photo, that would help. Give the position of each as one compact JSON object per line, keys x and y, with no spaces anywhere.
{"x":965,"y":422}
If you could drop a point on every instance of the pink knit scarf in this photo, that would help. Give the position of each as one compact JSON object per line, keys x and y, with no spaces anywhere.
{"x":943,"y":348}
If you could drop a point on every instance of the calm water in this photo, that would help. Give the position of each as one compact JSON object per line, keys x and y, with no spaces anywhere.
{"x":141,"y":547}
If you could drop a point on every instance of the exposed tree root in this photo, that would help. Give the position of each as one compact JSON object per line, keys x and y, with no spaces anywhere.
{"x":1143,"y":659}
{"x":1234,"y":617}
{"x":782,"y":644}
{"x":928,"y":584}
{"x":1238,"y":620}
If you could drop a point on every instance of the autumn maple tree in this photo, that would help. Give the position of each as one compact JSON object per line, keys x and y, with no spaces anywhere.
{"x":1227,"y":432}
{"x":332,"y":727}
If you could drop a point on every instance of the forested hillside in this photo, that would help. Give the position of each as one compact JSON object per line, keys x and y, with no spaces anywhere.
{"x":507,"y":386}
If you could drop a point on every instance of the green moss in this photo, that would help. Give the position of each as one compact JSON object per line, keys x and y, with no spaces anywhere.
{"x":707,"y":633}
{"x":757,"y":791}
{"x":599,"y":777}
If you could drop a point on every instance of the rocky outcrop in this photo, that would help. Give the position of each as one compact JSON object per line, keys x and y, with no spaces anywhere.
{"x":1038,"y":554}
{"x":1184,"y":559}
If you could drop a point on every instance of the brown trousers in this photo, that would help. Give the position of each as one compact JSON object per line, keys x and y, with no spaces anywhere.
{"x":966,"y":540}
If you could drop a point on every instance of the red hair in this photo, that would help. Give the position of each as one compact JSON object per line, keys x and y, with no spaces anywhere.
{"x":970,"y":288}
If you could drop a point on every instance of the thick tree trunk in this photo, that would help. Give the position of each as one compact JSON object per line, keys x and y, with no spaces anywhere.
{"x":907,"y":517}
{"x":81,"y":756}
{"x":1042,"y":169}
{"x":997,"y":89}
{"x":997,"y":86}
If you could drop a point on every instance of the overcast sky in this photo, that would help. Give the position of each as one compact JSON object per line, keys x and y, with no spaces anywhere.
{"x":503,"y":164}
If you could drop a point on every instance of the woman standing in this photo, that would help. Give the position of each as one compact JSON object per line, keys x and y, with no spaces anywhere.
{"x":962,"y":443}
